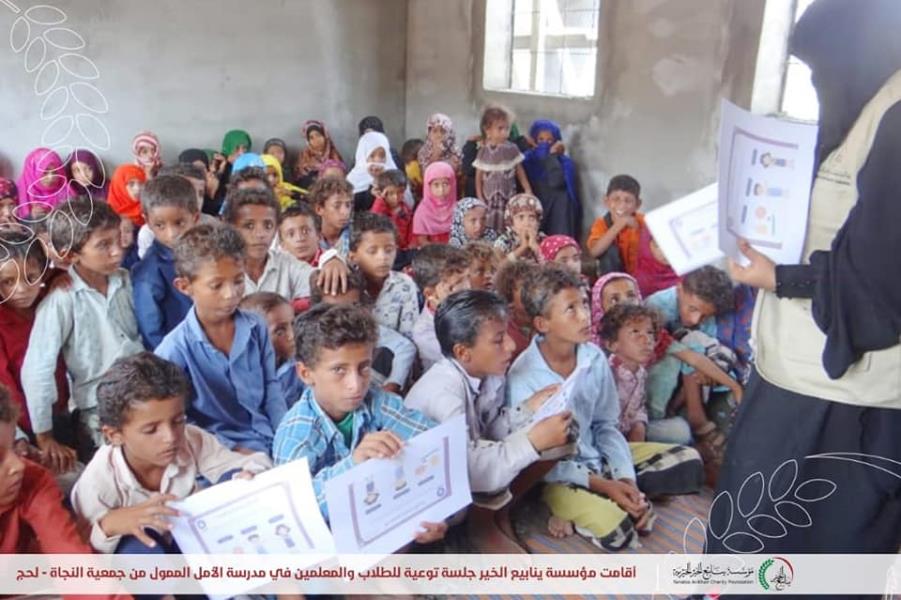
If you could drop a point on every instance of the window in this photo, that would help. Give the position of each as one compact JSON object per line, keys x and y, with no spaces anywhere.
{"x":541,"y":46}
{"x":799,"y":99}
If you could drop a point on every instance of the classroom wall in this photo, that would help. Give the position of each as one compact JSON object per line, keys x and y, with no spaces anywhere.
{"x":663,"y":66}
{"x":190,"y":70}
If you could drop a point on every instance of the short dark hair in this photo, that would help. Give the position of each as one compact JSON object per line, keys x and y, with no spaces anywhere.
{"x":624,"y":183}
{"x":711,"y":285}
{"x":205,"y":243}
{"x":331,"y":326}
{"x":18,"y":243}
{"x":511,"y":275}
{"x":547,"y":281}
{"x":368,"y":222}
{"x":73,"y":222}
{"x":371,"y":122}
{"x":248,"y":174}
{"x":169,"y":190}
{"x":184,"y":169}
{"x":326,"y":187}
{"x":390,"y":178}
{"x":621,"y":314}
{"x":410,"y":150}
{"x":249,"y":197}
{"x":355,"y":281}
{"x":461,"y":316}
{"x":9,"y":412}
{"x":434,"y":262}
{"x":492,"y":114}
{"x":482,"y":251}
{"x":137,"y":378}
{"x":263,"y":302}
{"x":301,"y":209}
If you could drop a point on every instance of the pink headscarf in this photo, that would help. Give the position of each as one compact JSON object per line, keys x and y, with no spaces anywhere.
{"x":553,"y":244}
{"x":597,"y":302}
{"x":433,"y":216}
{"x":147,"y":138}
{"x":31,"y":189}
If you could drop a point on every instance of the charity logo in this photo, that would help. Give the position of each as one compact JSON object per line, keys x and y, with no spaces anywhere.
{"x":776,"y":574}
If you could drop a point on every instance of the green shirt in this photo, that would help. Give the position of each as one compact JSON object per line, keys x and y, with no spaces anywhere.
{"x":346,"y":427}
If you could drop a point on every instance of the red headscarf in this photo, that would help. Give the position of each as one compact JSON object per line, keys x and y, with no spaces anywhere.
{"x":118,"y":197}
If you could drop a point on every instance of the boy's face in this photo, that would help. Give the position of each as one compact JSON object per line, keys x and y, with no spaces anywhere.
{"x":216,"y":289}
{"x":299,"y":237}
{"x":257,"y":225}
{"x":393,"y":195}
{"x":519,"y":314}
{"x":491,"y":353}
{"x":199,"y":190}
{"x":335,"y":212}
{"x":570,"y":258}
{"x":20,"y":283}
{"x":481,"y":275}
{"x":692,"y":309}
{"x":449,"y":283}
{"x":566,"y":317}
{"x":618,"y":291}
{"x":152,"y":432}
{"x":375,"y":254}
{"x":621,"y":203}
{"x":102,"y":252}
{"x":280,"y":320}
{"x":340,"y":378}
{"x":525,"y":221}
{"x":475,"y":221}
{"x":12,"y":469}
{"x":168,"y":223}
{"x":497,"y":133}
{"x":635,"y":341}
{"x":7,"y":210}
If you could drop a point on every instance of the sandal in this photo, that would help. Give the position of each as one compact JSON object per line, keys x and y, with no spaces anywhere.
{"x":710,"y":442}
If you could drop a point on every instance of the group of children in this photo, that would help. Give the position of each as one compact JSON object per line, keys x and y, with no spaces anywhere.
{"x":251,"y":322}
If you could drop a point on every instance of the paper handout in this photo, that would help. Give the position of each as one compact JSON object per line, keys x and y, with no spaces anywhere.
{"x":377,"y":506}
{"x":686,"y":230}
{"x":765,"y":172}
{"x":562,"y":400}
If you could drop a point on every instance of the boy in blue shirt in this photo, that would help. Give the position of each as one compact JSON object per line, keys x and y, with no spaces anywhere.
{"x":170,"y":208}
{"x":340,"y":420}
{"x":602,"y":489}
{"x":226,"y":352}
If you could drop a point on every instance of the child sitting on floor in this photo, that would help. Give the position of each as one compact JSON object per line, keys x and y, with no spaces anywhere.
{"x":152,"y":457}
{"x":512,"y":278}
{"x":226,"y":352}
{"x":279,"y":315}
{"x":373,"y":247}
{"x":390,"y":189}
{"x":521,"y":239}
{"x":298,"y":233}
{"x":484,"y":262}
{"x":340,"y":421}
{"x":394,"y":354}
{"x":435,"y":214}
{"x":470,"y":223}
{"x":439,"y":271}
{"x":614,"y":238}
{"x":602,"y":489}
{"x":332,"y":200}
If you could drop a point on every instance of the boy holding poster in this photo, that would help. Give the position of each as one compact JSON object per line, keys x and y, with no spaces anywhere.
{"x":340,"y":421}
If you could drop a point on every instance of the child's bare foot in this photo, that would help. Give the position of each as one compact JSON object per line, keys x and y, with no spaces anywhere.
{"x":559,"y":528}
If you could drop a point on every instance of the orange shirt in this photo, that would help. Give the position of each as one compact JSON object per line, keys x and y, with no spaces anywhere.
{"x":627,"y":241}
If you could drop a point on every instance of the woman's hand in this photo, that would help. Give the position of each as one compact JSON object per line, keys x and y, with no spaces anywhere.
{"x":760,"y":273}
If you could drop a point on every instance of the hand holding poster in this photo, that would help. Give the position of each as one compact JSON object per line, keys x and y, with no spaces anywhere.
{"x":560,"y":401}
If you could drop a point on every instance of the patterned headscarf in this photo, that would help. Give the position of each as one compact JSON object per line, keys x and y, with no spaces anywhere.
{"x":449,"y":152}
{"x":433,"y":216}
{"x":521,"y":203}
{"x":553,"y":244}
{"x":597,"y":302}
{"x":310,"y":161}
{"x":458,"y":235}
{"x":147,"y":138}
{"x":233,"y":139}
{"x":31,"y":189}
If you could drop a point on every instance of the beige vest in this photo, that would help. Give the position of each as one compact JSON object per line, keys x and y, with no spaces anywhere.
{"x":788,"y":343}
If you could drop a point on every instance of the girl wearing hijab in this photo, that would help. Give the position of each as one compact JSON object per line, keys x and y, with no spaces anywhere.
{"x":552,"y":176}
{"x":235,"y":143}
{"x":440,"y":143}
{"x":86,"y":175}
{"x":373,"y":123}
{"x":823,"y":402}
{"x":470,"y":223}
{"x":42,"y":184}
{"x":319,"y":149}
{"x":125,"y":193}
{"x":434,"y":215}
{"x":371,"y":158}
{"x":286,"y":193}
{"x":146,"y":149}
